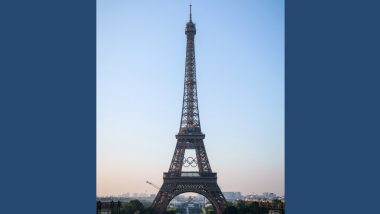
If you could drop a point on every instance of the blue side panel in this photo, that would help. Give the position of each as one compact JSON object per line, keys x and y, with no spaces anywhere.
{"x":48,"y":106}
{"x":332,"y":106}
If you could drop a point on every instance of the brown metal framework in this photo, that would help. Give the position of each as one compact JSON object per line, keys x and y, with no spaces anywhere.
{"x":190,"y":136}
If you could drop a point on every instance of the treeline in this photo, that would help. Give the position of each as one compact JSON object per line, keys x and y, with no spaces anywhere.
{"x":244,"y":207}
{"x":135,"y":207}
{"x":240,"y":207}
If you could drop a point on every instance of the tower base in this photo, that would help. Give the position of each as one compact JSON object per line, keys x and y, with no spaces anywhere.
{"x":205,"y":185}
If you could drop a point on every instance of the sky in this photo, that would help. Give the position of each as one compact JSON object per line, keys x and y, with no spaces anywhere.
{"x":239,"y":48}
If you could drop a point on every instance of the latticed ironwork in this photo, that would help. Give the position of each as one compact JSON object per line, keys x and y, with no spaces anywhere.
{"x":190,"y":136}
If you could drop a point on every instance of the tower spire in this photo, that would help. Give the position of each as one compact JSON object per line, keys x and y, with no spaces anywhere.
{"x":190,"y":13}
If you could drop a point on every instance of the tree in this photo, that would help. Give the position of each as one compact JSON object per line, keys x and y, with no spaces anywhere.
{"x":241,"y":207}
{"x":136,"y":206}
{"x":230,"y":210}
{"x":148,"y":210}
{"x":254,"y":207}
{"x":133,"y":207}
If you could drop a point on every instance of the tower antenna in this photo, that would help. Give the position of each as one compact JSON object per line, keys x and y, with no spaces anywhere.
{"x":190,"y":12}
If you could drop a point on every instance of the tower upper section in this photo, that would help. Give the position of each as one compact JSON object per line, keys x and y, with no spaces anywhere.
{"x":190,"y":122}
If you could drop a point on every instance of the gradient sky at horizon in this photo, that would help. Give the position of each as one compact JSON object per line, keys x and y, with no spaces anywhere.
{"x":239,"y":48}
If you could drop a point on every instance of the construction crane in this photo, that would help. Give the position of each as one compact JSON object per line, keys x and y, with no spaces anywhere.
{"x":153,"y":185}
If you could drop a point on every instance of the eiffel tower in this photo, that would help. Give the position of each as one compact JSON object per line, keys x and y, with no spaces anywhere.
{"x":190,"y":137}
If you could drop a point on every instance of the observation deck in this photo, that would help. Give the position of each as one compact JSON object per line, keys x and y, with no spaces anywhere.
{"x":190,"y":174}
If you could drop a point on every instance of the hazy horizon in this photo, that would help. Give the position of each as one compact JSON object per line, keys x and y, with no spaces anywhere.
{"x":239,"y":48}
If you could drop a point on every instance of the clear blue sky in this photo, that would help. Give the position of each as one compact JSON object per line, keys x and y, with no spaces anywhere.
{"x":240,"y":72}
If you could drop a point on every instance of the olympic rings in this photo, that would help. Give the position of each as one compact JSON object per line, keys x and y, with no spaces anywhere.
{"x":189,"y":161}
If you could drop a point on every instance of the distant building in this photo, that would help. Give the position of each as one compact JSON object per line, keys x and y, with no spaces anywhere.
{"x":143,"y":195}
{"x":268,"y":195}
{"x":125,"y":195}
{"x":232,"y":196}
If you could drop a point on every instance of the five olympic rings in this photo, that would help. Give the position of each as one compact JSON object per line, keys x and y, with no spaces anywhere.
{"x":190,"y":161}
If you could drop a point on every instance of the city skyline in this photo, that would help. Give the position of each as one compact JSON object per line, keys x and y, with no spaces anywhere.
{"x":143,"y":194}
{"x":240,"y":72}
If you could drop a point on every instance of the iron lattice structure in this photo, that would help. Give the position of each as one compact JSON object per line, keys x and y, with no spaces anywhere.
{"x":190,"y":136}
